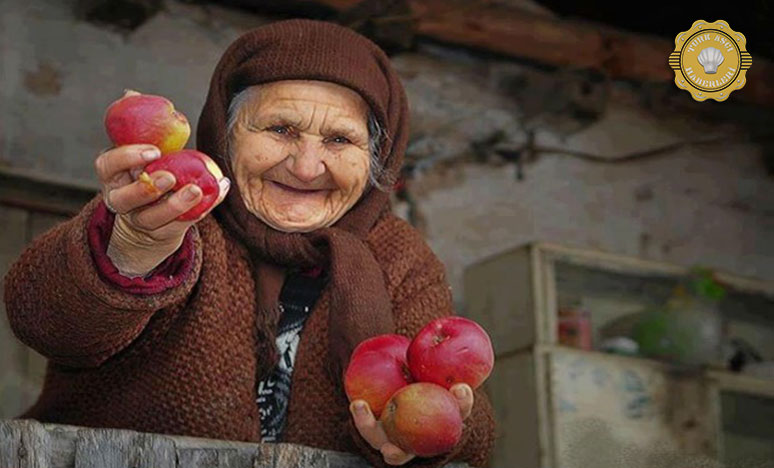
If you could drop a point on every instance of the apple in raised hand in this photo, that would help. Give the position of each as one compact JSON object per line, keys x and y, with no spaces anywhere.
{"x":376,"y":370}
{"x":423,"y":418}
{"x":189,"y":166}
{"x":451,"y":350}
{"x":146,"y":118}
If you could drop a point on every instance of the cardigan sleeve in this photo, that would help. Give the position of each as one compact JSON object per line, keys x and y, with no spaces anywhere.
{"x":62,"y":302}
{"x":169,"y":274}
{"x":422,"y":296}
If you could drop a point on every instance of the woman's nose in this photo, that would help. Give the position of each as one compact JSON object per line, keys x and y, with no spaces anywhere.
{"x":305,"y":163}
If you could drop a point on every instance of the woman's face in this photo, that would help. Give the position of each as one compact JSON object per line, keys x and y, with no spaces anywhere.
{"x":300,"y":153}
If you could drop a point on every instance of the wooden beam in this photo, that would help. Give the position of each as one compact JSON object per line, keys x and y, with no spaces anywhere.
{"x":31,"y":191}
{"x":520,"y":34}
{"x":339,"y":5}
{"x":516,"y":33}
{"x":26,"y":442}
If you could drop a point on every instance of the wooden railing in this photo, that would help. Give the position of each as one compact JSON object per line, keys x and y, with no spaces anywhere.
{"x":26,"y":443}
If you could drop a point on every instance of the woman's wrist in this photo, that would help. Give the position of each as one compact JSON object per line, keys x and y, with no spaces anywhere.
{"x":135,"y":258}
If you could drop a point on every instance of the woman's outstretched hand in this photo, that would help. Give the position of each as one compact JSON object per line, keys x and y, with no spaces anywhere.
{"x":145,"y":230}
{"x":371,"y":429}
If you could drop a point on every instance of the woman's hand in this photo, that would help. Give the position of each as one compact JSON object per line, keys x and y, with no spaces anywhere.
{"x":145,"y":230}
{"x":372,"y":431}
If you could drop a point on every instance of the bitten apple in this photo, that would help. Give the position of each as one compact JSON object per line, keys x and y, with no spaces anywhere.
{"x":423,"y":418}
{"x":451,"y":350}
{"x":376,"y":370}
{"x":190,"y":167}
{"x":145,"y":118}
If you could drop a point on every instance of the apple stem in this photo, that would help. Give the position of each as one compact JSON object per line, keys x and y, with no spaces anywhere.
{"x":439,"y":339}
{"x":407,"y":373}
{"x":145,"y":179}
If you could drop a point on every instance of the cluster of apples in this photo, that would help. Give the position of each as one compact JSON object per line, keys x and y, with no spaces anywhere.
{"x":138,"y":118}
{"x":406,"y":382}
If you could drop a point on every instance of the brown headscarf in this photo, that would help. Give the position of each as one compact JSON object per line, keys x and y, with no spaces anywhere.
{"x":313,"y":50}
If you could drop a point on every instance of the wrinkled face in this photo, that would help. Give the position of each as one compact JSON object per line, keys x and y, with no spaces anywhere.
{"x":300,"y":153}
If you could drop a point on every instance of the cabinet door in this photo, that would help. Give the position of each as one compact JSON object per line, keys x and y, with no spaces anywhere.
{"x":512,"y":389}
{"x":499,"y":295}
{"x":611,"y":411}
{"x":745,"y":411}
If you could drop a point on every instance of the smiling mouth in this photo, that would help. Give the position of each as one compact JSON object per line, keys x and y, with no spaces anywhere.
{"x":292,"y":189}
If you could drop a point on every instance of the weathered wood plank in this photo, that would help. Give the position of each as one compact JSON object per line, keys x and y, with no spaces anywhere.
{"x":153,"y":451}
{"x":10,"y":444}
{"x":295,"y":455}
{"x":199,"y":458}
{"x":24,"y":445}
{"x":109,"y":448}
{"x":61,"y":446}
{"x":101,"y":449}
{"x":216,"y":458}
{"x":28,"y":444}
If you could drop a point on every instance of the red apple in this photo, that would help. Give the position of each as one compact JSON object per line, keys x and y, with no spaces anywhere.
{"x":423,"y":418}
{"x":376,"y":370}
{"x":145,"y":118}
{"x":451,"y":350}
{"x":189,"y":166}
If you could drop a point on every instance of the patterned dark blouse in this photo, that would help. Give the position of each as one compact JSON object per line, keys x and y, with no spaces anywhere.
{"x":297,"y":298}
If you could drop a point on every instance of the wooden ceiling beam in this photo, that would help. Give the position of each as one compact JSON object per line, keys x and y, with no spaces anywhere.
{"x":512,"y":32}
{"x":556,"y":42}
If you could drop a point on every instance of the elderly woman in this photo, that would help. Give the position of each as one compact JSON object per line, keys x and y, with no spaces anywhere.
{"x":238,"y":325}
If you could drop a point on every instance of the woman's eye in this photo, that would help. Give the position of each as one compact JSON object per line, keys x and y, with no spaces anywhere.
{"x":340,"y":139}
{"x":280,"y":129}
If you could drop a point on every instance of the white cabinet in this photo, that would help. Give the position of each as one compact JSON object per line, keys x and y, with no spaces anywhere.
{"x":560,"y":406}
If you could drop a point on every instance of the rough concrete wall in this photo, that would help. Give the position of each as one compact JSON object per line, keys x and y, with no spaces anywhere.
{"x":711,"y":204}
{"x":708,"y":204}
{"x":58,"y":75}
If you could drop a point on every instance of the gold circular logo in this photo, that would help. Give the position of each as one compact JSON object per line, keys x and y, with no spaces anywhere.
{"x":710,"y":60}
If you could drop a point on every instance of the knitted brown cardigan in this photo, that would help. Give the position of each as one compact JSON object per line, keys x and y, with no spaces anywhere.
{"x":183,"y":361}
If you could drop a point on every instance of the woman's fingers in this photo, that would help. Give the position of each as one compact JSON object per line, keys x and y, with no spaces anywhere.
{"x":176,"y":226}
{"x":158,"y":221}
{"x":367,"y":425}
{"x":114,"y":167}
{"x":393,"y":455}
{"x":116,"y":163}
{"x":464,"y":395}
{"x":166,"y":211}
{"x":372,"y":432}
{"x":138,"y":193}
